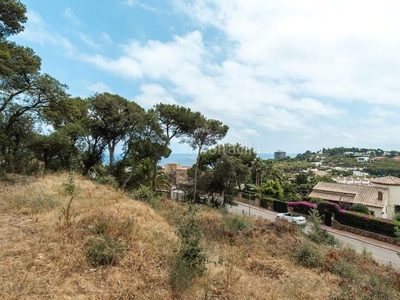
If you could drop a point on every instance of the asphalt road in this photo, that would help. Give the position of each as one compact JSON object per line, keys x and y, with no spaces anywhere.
{"x":378,"y":250}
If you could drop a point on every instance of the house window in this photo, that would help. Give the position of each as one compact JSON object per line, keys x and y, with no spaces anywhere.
{"x":380,"y":196}
{"x":397,"y":209}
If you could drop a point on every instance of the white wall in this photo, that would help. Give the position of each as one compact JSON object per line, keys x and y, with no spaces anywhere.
{"x":393,"y":199}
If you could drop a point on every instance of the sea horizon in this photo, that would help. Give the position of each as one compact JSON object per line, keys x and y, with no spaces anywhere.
{"x":189,"y":159}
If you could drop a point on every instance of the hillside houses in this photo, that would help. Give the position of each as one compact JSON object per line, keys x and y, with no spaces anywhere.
{"x":381,"y":196}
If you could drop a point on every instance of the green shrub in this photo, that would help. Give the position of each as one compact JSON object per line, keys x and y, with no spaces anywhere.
{"x":396,"y":216}
{"x":302,"y":207}
{"x":317,"y":234}
{"x":190,"y":261}
{"x":328,"y":206}
{"x":100,"y":227}
{"x":367,"y":222}
{"x":108,"y":180}
{"x":235,"y":223}
{"x":344,"y":269}
{"x":146,"y":194}
{"x":267,"y":203}
{"x":361,"y":208}
{"x":103,"y":250}
{"x":308,"y":256}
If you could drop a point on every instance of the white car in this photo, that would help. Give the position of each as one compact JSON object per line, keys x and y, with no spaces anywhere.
{"x":292,"y":218}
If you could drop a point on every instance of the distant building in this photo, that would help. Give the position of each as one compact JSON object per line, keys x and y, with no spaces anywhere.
{"x":279,"y":154}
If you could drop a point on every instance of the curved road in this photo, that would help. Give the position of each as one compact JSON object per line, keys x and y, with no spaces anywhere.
{"x":384,"y":253}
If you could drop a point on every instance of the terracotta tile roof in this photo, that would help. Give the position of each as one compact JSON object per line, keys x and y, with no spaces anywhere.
{"x":367,"y":195}
{"x":387,"y":180}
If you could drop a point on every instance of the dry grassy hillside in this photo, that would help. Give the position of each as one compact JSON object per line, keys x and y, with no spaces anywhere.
{"x":104,"y":245}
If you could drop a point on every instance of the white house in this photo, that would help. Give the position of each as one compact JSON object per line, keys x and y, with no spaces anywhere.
{"x":393,"y":185}
{"x":382,"y":196}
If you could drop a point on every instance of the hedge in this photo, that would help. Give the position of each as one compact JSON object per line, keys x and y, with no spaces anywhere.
{"x":367,"y":222}
{"x":280,"y":206}
{"x":267,"y":203}
{"x":348,"y":218}
{"x":328,"y":206}
{"x":302,"y":207}
{"x":247,"y":195}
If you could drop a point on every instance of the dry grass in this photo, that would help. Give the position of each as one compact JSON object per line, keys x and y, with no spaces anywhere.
{"x":41,"y":257}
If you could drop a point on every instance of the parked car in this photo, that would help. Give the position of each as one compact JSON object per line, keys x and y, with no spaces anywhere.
{"x":292,"y":218}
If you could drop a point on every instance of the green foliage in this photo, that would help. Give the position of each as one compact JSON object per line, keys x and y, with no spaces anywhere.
{"x":143,"y":193}
{"x":69,"y":189}
{"x":146,"y":194}
{"x":103,"y":250}
{"x":317,"y":234}
{"x":367,"y":222}
{"x":328,"y":206}
{"x":108,"y":180}
{"x":361,"y":208}
{"x":302,"y":207}
{"x":235,"y":223}
{"x":267,"y":203}
{"x":100,"y":227}
{"x":397,"y":235}
{"x":13,"y":15}
{"x":344,"y":269}
{"x":308,"y":255}
{"x":396,"y":216}
{"x":272,"y":188}
{"x":190,"y":261}
{"x":69,"y":186}
{"x":384,"y":167}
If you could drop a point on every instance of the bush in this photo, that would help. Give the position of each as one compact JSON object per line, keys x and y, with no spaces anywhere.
{"x":302,"y":207}
{"x":367,"y":222}
{"x":361,"y":208}
{"x":146,"y":194}
{"x":235,"y":223}
{"x":267,"y":203}
{"x":103,"y":250}
{"x":396,"y":216}
{"x":190,"y":261}
{"x":108,"y":180}
{"x":317,"y":234}
{"x":328,"y":206}
{"x":344,"y":269}
{"x":308,"y":256}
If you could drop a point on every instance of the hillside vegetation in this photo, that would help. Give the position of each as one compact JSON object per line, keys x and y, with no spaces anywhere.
{"x":67,"y":237}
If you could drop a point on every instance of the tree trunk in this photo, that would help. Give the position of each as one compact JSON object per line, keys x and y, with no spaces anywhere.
{"x":111,"y":150}
{"x":195,"y":175}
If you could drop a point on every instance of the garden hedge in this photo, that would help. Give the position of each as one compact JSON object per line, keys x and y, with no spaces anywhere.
{"x":367,"y":222}
{"x":280,"y":206}
{"x":302,"y":207}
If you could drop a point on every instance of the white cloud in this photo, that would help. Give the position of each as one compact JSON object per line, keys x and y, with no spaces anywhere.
{"x":98,"y":87}
{"x":106,"y":38}
{"x":70,"y":15}
{"x":140,"y":4}
{"x":153,"y":94}
{"x":37,"y":31}
{"x":296,"y":68}
{"x":87,"y":40}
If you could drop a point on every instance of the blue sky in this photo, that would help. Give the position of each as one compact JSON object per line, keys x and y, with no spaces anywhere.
{"x":290,"y":75}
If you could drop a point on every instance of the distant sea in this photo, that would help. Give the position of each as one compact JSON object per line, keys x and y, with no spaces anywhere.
{"x":189,"y":159}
